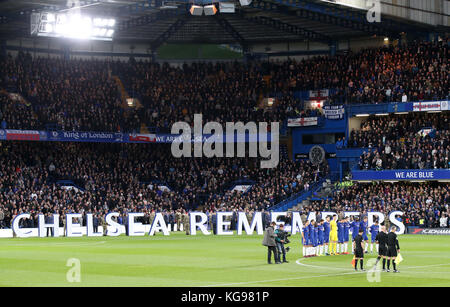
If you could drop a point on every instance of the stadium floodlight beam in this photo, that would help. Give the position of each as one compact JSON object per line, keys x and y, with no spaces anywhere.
{"x":72,"y":25}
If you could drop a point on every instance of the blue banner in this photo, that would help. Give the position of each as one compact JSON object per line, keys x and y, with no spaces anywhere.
{"x":410,"y":174}
{"x":118,"y":137}
{"x":76,"y":136}
{"x":400,"y":107}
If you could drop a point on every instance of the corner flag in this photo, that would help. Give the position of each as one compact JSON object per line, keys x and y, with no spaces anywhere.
{"x":398,"y":259}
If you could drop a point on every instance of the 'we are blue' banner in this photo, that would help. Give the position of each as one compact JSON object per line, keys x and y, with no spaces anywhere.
{"x":410,"y":174}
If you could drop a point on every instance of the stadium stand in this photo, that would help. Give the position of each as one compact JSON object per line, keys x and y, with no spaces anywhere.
{"x":82,"y":95}
{"x":127,"y":178}
{"x":423,"y":204}
{"x":413,"y":141}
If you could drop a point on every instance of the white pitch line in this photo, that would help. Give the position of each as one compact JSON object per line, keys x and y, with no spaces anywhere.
{"x":320,"y":267}
{"x":427,"y":266}
{"x":284,"y":279}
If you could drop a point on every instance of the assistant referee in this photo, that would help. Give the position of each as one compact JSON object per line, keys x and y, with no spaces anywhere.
{"x":393,"y":249}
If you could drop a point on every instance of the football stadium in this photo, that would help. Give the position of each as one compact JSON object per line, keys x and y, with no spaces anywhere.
{"x":223,"y":143}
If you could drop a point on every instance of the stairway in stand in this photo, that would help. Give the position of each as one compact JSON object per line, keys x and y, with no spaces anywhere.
{"x":125,"y":96}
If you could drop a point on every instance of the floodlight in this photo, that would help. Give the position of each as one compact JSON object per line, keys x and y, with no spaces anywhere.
{"x":226,"y":7}
{"x":196,"y":10}
{"x":72,"y":25}
{"x":210,"y":10}
{"x":245,"y":2}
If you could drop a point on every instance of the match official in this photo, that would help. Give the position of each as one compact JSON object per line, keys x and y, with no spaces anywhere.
{"x":358,"y":249}
{"x":393,"y":248}
{"x":381,"y":240}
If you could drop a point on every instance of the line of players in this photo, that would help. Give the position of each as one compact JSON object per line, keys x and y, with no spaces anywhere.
{"x":316,"y":236}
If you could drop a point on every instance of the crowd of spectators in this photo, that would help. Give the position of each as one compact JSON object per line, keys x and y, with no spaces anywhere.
{"x":83,"y":95}
{"x":423,"y":204}
{"x":70,"y":95}
{"x":413,"y":141}
{"x":416,"y":72}
{"x":127,"y":177}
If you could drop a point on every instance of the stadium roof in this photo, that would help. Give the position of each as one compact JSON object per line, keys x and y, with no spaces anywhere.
{"x":263,"y":21}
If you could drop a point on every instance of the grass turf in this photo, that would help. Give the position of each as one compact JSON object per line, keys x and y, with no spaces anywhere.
{"x":180,"y":260}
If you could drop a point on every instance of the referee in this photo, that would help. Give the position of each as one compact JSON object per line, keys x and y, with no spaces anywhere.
{"x":358,"y":249}
{"x":393,"y":248}
{"x":381,"y":240}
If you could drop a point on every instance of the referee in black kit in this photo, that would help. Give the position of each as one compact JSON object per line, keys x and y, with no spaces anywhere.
{"x":381,"y":239}
{"x":358,"y":249}
{"x":393,"y":249}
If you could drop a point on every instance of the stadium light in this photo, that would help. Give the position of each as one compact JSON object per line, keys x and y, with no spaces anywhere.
{"x":362,"y":115}
{"x":382,"y":114}
{"x":227,"y":7}
{"x":72,"y":25}
{"x":245,"y":2}
{"x":210,"y":10}
{"x":196,"y":10}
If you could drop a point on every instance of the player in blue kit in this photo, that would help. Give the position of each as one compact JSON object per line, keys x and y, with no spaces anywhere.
{"x":305,"y":239}
{"x":364,"y":226}
{"x":354,"y":226}
{"x":320,"y":237}
{"x":315,"y":238}
{"x":311,"y":239}
{"x":374,"y":230}
{"x":326,"y":234}
{"x":340,"y":227}
{"x":346,"y":234}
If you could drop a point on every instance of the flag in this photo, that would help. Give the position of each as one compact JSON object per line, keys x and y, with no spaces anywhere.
{"x":398,"y":259}
{"x":353,"y":261}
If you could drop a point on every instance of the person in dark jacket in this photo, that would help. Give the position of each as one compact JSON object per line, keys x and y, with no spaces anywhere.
{"x":269,"y":241}
{"x":95,"y":222}
{"x":214,"y":222}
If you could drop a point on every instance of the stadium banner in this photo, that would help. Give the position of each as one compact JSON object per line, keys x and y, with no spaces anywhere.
{"x":334,"y":112}
{"x":430,"y":106}
{"x":169,"y":138}
{"x":117,"y":137}
{"x":400,"y":107}
{"x":198,"y":223}
{"x":89,"y":136}
{"x":428,"y":231}
{"x":21,"y":135}
{"x":410,"y":174}
{"x":318,"y":94}
{"x":302,"y":122}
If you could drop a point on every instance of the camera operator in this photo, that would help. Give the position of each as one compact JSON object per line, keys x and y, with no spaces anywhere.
{"x":281,"y":239}
{"x":269,"y":241}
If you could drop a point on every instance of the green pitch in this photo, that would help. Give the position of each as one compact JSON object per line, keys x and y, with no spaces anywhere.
{"x":180,"y":260}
